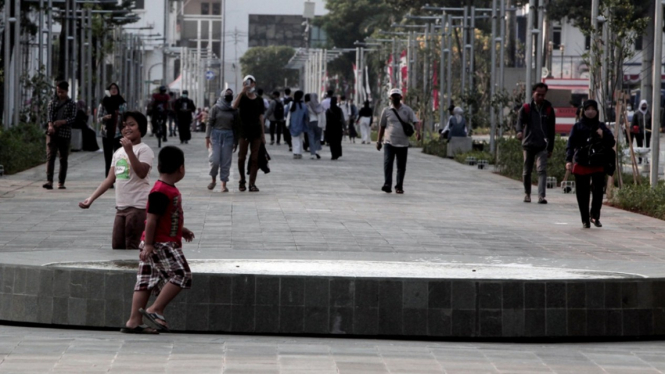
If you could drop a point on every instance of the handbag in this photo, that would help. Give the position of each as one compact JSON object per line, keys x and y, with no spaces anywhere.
{"x":408,"y":129}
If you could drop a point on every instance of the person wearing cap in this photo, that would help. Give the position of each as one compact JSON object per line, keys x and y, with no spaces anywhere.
{"x":396,"y":142}
{"x":184,"y":107}
{"x":252,"y":131}
{"x":589,"y":173}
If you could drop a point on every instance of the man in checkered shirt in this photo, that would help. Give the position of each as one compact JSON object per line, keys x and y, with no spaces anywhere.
{"x":61,"y":116}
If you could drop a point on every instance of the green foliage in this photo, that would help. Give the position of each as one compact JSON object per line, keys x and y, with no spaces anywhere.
{"x":266,"y":64}
{"x":436,"y":148}
{"x":21,"y":147}
{"x":510,"y":160}
{"x":479,"y":155}
{"x":641,"y":199}
{"x":351,"y":20}
{"x":579,"y":11}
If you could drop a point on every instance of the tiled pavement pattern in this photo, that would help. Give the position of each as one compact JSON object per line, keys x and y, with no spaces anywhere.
{"x":331,"y":210}
{"x":38,"y":350}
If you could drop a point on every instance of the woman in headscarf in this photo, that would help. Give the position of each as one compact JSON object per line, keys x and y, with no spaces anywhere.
{"x":88,"y":135}
{"x":365,"y":119}
{"x":315,"y":110}
{"x":334,"y":129}
{"x":641,"y":124}
{"x":589,"y":133}
{"x":298,"y":121}
{"x":109,"y":115}
{"x":456,"y":124}
{"x":221,"y":134}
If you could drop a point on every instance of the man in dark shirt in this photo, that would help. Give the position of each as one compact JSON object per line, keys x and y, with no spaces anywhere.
{"x":61,"y":116}
{"x":252,"y":131}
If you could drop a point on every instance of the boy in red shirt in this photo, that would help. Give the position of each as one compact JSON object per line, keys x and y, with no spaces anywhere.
{"x":163,"y":269}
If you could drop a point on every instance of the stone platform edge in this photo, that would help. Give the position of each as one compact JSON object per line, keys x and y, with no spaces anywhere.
{"x":268,"y":304}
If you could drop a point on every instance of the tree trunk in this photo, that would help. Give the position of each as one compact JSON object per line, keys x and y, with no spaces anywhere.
{"x":646,"y":74}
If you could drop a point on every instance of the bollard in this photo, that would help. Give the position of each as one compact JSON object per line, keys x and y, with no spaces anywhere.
{"x":482,"y":164}
{"x":568,"y":186}
{"x":551,"y":182}
{"x":471,"y":161}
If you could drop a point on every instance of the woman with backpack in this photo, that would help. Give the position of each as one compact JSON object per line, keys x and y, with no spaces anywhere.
{"x":589,"y":156}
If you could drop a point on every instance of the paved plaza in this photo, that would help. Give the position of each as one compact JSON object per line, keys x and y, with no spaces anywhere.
{"x":41,"y":350}
{"x":323,"y":209}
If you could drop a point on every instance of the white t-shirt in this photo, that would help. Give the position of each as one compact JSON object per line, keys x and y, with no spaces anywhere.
{"x":130,"y":190}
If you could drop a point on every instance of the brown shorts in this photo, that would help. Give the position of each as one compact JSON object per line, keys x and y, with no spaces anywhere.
{"x":166,"y":264}
{"x":127,"y":228}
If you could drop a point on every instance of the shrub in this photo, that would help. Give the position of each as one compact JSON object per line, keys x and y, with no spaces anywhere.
{"x":22,"y":147}
{"x":641,"y":199}
{"x":510,"y":160}
{"x":479,"y":155}
{"x":435,"y":148}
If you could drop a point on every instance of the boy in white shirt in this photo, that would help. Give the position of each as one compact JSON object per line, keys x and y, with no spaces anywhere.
{"x":130,"y":170}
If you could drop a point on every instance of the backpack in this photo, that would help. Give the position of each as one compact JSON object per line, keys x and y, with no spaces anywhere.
{"x":279,"y":111}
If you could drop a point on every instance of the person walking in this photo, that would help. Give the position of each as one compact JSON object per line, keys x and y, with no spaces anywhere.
{"x":61,"y":115}
{"x":158,"y":111}
{"x":283,"y":130}
{"x":365,"y":119}
{"x":251,"y":133}
{"x":641,"y":125}
{"x":298,"y":120}
{"x":184,"y":107}
{"x":334,"y":129}
{"x":325,"y":103}
{"x":315,"y":110}
{"x":392,"y":125}
{"x":109,"y":115}
{"x":535,"y":128}
{"x":221,"y":135}
{"x":589,"y":137}
{"x":173,"y":122}
{"x":275,"y":115}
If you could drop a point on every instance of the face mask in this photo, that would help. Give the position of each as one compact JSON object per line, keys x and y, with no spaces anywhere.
{"x":228,"y":98}
{"x":184,"y":95}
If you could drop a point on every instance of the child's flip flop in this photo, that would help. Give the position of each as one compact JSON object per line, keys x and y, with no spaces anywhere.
{"x":140,"y":329}
{"x":153,"y":318}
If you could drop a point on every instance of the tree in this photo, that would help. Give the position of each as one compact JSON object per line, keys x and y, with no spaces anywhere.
{"x":268,"y":66}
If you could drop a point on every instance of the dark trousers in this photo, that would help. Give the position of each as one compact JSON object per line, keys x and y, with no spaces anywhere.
{"x":389,"y":154}
{"x":584,"y":185}
{"x":252,"y":146}
{"x":110,"y":146}
{"x":55,"y":146}
{"x":184,"y":130}
{"x":280,"y":128}
{"x":540,"y":157}
{"x":274,"y":129}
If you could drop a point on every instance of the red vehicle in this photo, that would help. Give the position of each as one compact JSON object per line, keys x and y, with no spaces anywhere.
{"x":563,"y":92}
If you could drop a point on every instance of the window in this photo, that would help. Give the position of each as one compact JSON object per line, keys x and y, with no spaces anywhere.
{"x":638,"y":43}
{"x":205,"y":8}
{"x":587,"y":42}
{"x":139,"y":4}
{"x":556,"y":37}
{"x":216,"y":9}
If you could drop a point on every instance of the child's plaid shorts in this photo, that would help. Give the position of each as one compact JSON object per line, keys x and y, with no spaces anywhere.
{"x":166,"y":264}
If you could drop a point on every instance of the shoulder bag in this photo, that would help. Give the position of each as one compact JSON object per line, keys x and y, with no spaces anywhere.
{"x":408,"y":129}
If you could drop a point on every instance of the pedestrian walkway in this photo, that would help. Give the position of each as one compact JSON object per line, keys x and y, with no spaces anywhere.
{"x":334,"y":210}
{"x":40,"y":350}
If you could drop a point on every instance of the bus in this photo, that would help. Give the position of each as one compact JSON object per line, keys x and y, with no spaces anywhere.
{"x":566,"y":95}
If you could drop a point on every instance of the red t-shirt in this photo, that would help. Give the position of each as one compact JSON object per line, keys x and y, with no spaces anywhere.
{"x":165,"y":201}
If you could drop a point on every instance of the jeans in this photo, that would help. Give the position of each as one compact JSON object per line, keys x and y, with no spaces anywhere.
{"x":585,"y":184}
{"x":314,"y":134}
{"x":222,"y":153}
{"x":540,"y":157}
{"x":55,"y":145}
{"x":389,"y":154}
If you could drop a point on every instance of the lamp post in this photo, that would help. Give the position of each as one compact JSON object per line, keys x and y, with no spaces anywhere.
{"x":561,"y":48}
